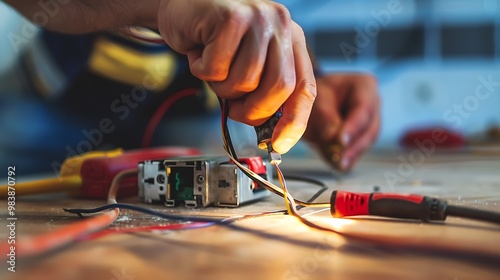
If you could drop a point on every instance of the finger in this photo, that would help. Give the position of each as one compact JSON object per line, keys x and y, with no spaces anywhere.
{"x":248,"y":65}
{"x":326,"y":129}
{"x":360,"y":112}
{"x":297,"y":108}
{"x":325,"y":121}
{"x":276,"y":85}
{"x":213,"y":61}
{"x":353,"y":152}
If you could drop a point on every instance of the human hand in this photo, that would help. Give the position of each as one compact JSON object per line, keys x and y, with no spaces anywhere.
{"x":346,"y":114}
{"x":250,"y":51}
{"x":252,"y":54}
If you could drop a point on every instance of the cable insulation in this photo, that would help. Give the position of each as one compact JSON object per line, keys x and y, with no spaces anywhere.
{"x":35,"y":245}
{"x":160,"y":112}
{"x":470,"y":213}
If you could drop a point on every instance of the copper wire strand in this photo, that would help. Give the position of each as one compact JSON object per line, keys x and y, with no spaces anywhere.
{"x":265,"y":183}
{"x":35,"y":245}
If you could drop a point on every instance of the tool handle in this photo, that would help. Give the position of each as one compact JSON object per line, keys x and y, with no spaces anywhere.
{"x":404,"y":206}
{"x":265,"y":131}
{"x":98,"y":173}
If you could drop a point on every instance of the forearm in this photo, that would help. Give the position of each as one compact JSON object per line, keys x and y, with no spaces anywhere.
{"x":82,"y":16}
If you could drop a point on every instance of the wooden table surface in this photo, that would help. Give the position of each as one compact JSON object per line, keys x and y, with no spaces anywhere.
{"x":281,"y":247}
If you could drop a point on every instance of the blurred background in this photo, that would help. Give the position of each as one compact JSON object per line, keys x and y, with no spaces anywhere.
{"x":437,"y":62}
{"x":429,"y":56}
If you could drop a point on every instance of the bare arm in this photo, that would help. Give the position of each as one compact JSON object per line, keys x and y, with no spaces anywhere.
{"x":251,"y":51}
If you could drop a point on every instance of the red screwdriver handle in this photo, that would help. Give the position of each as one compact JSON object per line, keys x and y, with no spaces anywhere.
{"x":98,"y":173}
{"x":404,"y":206}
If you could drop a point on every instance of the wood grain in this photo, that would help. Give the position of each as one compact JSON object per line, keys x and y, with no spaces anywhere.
{"x":280,"y":247}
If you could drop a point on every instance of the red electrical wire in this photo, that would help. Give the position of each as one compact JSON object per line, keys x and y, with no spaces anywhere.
{"x":160,"y":112}
{"x":35,"y":245}
{"x":134,"y":33}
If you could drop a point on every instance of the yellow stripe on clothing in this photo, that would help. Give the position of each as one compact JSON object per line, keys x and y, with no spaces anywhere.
{"x":211,"y":103}
{"x":123,"y":64}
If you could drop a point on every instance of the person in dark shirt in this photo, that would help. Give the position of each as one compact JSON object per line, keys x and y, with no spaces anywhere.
{"x":249,"y":52}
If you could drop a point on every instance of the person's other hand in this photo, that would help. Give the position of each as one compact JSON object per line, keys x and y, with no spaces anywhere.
{"x":346,"y":112}
{"x":252,"y":53}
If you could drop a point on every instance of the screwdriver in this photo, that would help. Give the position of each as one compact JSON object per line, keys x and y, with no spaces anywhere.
{"x":403,"y":206}
{"x":89,"y":175}
{"x":264,"y":135}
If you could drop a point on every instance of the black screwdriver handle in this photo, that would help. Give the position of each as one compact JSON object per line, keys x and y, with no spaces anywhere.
{"x":404,"y":206}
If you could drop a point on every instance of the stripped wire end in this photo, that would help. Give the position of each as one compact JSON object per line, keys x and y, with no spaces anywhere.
{"x":274,"y":157}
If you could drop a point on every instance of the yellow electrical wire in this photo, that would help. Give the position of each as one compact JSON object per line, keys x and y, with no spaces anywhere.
{"x":290,"y":204}
{"x":50,"y":185}
{"x":391,"y":241}
{"x":265,"y":183}
{"x":31,"y":246}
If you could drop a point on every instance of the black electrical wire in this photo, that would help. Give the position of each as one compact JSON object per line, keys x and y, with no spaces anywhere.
{"x":485,"y":258}
{"x":228,"y":222}
{"x":225,"y":130}
{"x":80,"y":211}
{"x":470,"y":213}
{"x":323,"y":187}
{"x":450,"y":210}
{"x":229,"y":145}
{"x":230,"y":149}
{"x":387,"y":242}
